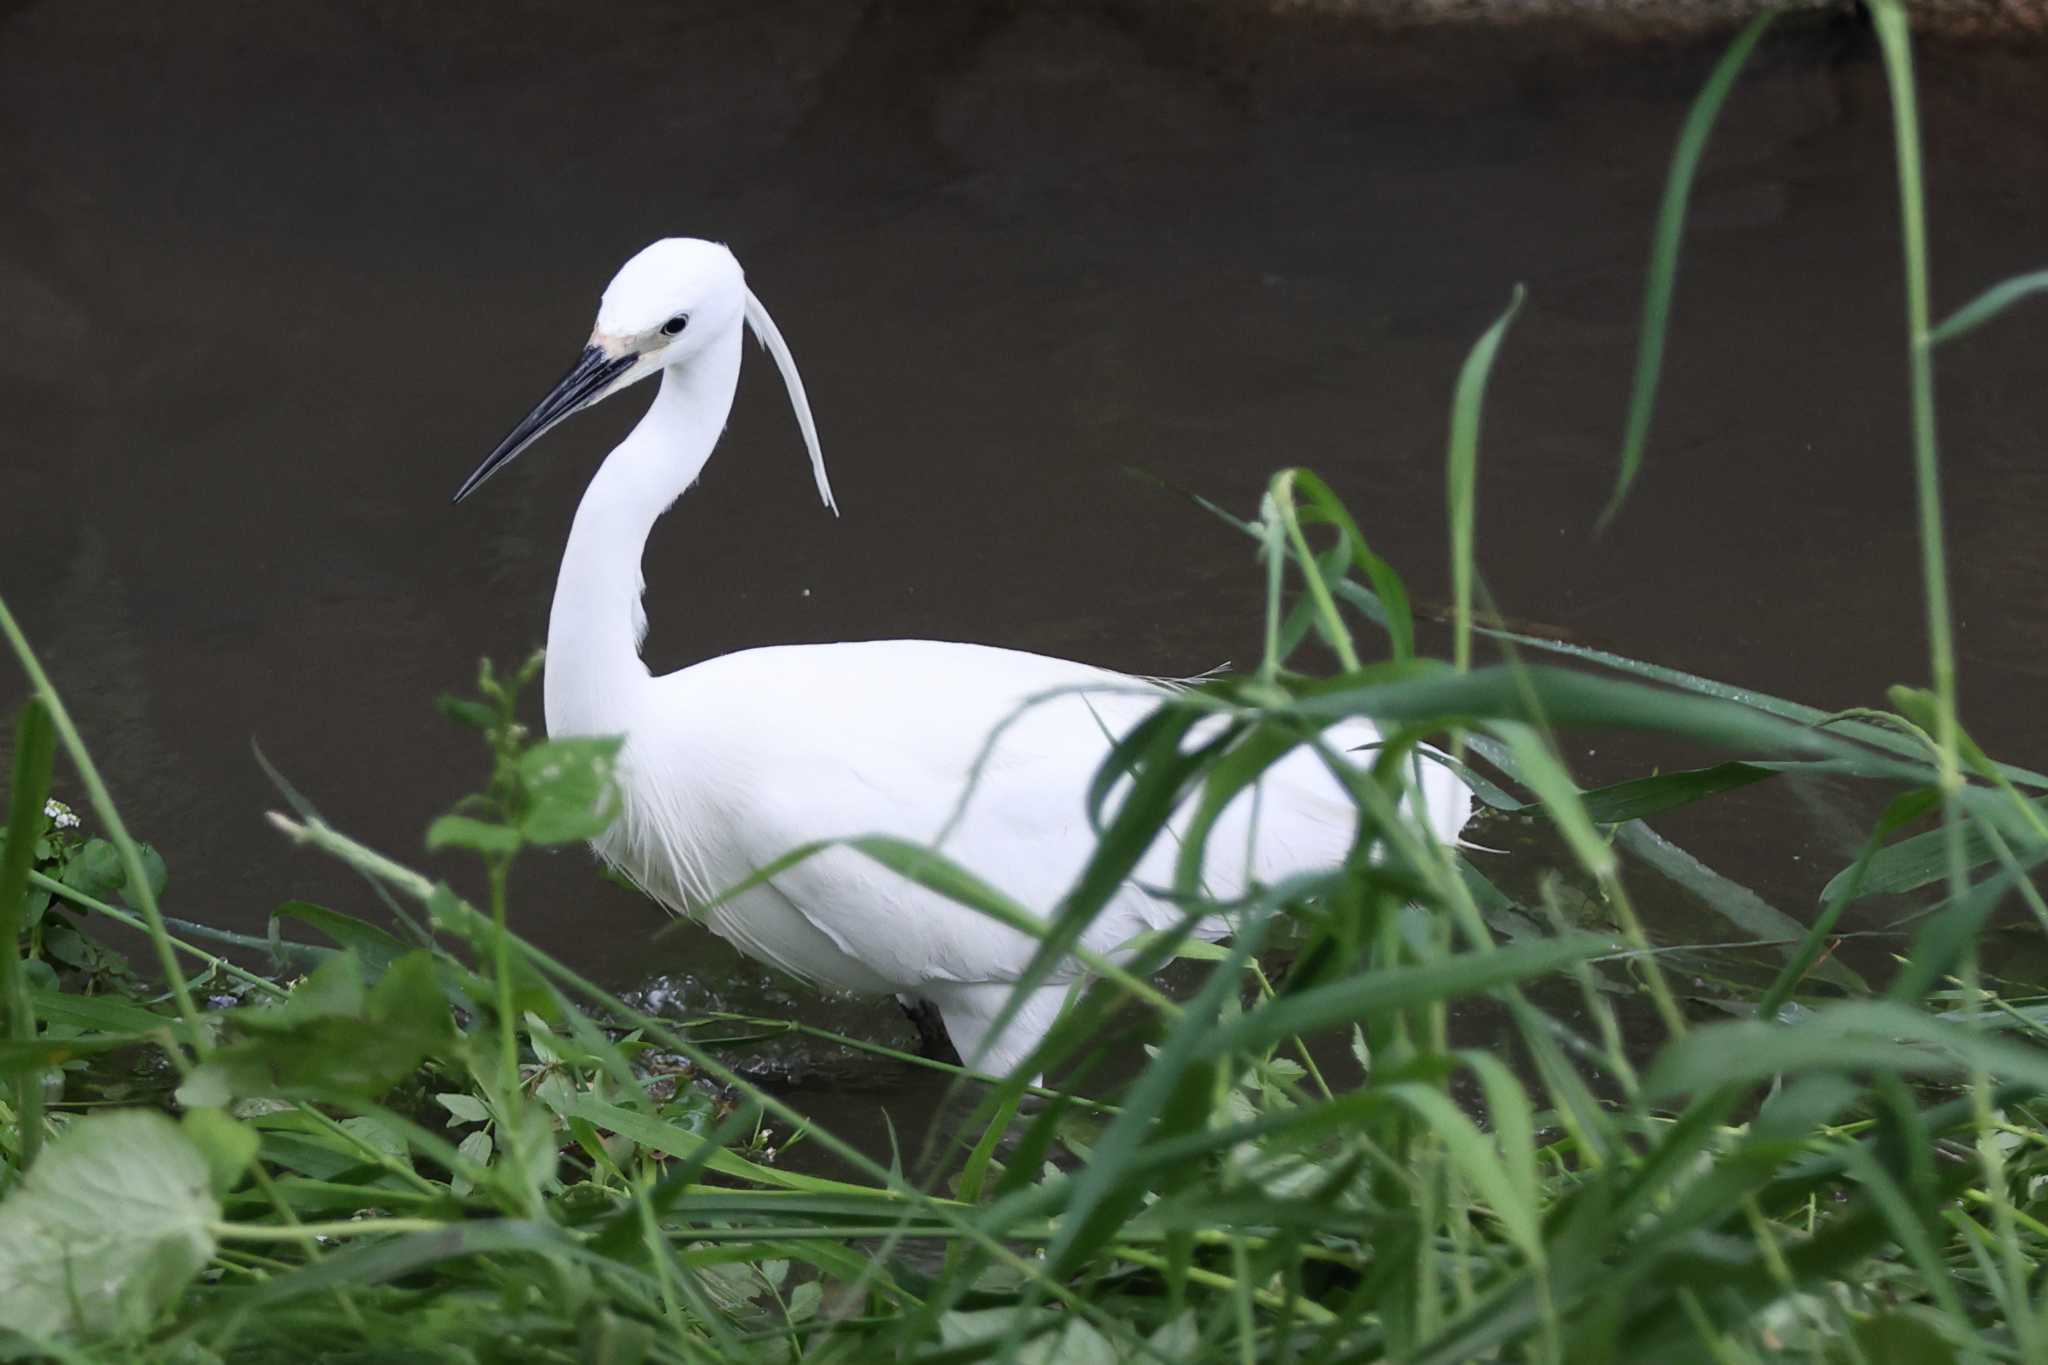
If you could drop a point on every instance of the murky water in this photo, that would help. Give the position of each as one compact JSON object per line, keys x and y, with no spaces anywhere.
{"x":272,"y":278}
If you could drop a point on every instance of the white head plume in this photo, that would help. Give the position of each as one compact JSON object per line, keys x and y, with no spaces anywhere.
{"x":770,"y":337}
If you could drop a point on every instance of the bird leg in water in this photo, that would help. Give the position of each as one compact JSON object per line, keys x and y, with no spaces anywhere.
{"x":933,"y":1042}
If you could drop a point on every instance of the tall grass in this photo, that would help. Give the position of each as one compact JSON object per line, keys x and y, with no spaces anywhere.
{"x":450,"y":1145}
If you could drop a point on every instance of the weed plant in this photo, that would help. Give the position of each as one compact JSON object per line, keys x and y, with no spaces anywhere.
{"x":435,"y":1142}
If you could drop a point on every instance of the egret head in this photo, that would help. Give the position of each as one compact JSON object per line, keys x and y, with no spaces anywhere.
{"x":665,"y":302}
{"x":666,"y":305}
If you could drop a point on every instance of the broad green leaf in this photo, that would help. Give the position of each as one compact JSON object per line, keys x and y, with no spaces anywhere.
{"x":331,"y":1037}
{"x":538,"y":1146}
{"x":62,"y":943}
{"x":465,"y":1108}
{"x":227,"y":1144}
{"x":153,"y":870}
{"x":573,"y":788}
{"x":462,"y":831}
{"x":381,"y":1134}
{"x":1056,"y":1338}
{"x":1179,"y":1338}
{"x":804,"y":1301}
{"x":298,"y":1143}
{"x":95,"y":869}
{"x":109,"y":1226}
{"x":334,"y":987}
{"x":376,"y":948}
{"x":478,"y":1149}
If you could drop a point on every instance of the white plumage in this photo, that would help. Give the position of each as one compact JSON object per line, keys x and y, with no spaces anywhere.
{"x":731,"y":763}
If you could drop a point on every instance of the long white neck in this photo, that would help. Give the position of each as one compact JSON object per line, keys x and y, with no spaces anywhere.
{"x":595,"y":678}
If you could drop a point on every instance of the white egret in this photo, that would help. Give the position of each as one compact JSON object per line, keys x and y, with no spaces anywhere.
{"x":732,"y":762}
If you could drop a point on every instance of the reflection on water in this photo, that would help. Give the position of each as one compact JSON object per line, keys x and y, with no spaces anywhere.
{"x":272,"y":279}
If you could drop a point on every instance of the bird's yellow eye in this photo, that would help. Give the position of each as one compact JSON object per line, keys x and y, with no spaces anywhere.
{"x":675,"y":324}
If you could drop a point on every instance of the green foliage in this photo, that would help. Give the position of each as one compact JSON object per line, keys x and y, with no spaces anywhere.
{"x":115,"y":1219}
{"x":332,"y":1035}
{"x":1989,"y":305}
{"x":443,"y":1144}
{"x":1663,"y":272}
{"x":61,"y":859}
{"x":559,"y":791}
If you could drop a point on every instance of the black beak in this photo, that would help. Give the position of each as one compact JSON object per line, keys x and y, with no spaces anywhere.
{"x":594,"y":372}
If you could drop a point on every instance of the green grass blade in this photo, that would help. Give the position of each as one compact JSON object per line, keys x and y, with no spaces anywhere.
{"x":1876,"y":736}
{"x":1641,"y":797}
{"x":1461,"y":475}
{"x":1237,"y":769}
{"x":1172,"y":1091}
{"x":1869,"y":1035}
{"x":1895,"y":42}
{"x":1685,"y":160}
{"x":1729,"y":899}
{"x":379,"y":1261}
{"x":667,"y":1138}
{"x":1395,"y":989}
{"x":1569,"y":699}
{"x":26,"y":1060}
{"x":1989,"y":305}
{"x":1478,"y":1162}
{"x":1918,"y":861}
{"x":1907,"y":807}
{"x":1281,"y":505}
{"x":1951,"y":931}
{"x":35,"y":747}
{"x":1560,"y":796}
{"x":110,"y":821}
{"x":105,"y":1014}
{"x":1309,"y":500}
{"x":1514,"y":1127}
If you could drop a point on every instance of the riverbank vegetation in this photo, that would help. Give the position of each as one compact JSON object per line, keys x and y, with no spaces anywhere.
{"x":421,"y":1138}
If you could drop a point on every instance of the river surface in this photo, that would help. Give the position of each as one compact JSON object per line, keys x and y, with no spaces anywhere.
{"x":274,"y":277}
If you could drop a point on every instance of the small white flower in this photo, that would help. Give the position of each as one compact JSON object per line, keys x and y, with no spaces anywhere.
{"x":60,"y":814}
